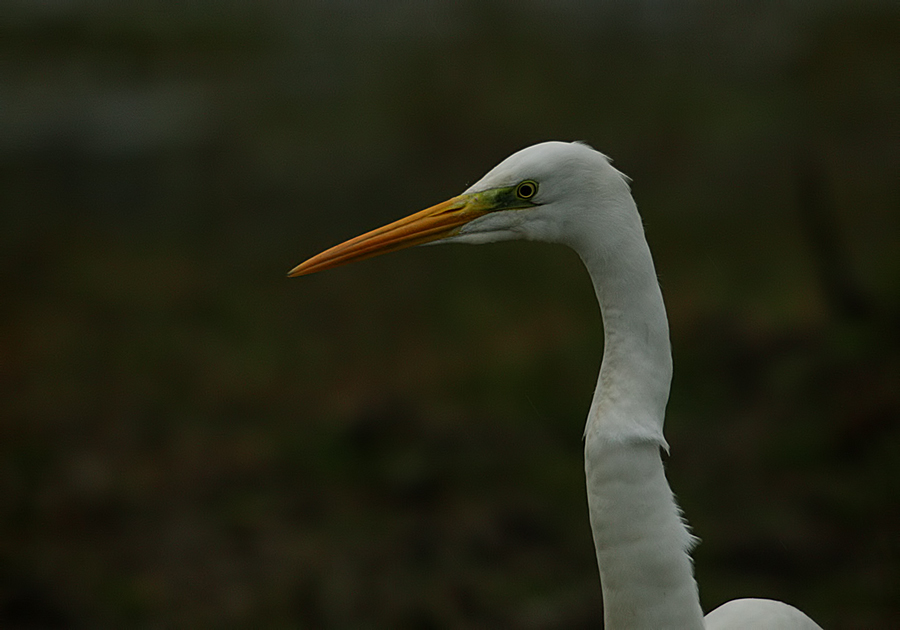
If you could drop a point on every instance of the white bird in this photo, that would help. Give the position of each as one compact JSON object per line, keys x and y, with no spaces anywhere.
{"x":568,"y":193}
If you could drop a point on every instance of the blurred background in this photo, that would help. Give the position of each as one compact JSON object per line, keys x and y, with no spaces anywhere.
{"x":189,"y":439}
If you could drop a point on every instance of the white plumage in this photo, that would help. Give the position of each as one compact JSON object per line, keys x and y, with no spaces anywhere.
{"x":570,"y":194}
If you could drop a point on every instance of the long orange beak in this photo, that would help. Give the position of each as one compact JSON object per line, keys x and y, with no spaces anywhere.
{"x":431,"y":224}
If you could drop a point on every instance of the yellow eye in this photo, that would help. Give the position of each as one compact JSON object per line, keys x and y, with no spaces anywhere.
{"x":526,"y":189}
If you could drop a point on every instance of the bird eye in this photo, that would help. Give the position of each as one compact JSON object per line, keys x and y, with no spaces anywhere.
{"x":527,"y":189}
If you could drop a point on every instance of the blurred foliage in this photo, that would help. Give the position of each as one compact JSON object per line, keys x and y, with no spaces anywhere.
{"x":188,"y":439}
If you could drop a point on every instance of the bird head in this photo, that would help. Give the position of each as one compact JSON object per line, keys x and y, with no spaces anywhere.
{"x":545,"y":192}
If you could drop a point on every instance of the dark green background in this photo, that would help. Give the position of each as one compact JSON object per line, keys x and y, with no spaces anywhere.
{"x":188,"y":439}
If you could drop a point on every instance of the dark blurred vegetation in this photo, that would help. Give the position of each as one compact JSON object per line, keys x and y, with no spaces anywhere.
{"x":188,"y":439}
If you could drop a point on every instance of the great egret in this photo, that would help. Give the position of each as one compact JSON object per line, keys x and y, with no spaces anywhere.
{"x":569,"y":193}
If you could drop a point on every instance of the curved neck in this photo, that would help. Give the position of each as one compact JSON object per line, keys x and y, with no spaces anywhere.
{"x":636,"y":372}
{"x":641,"y":541}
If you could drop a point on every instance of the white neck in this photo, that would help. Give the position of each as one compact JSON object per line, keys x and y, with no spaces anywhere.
{"x":641,"y":541}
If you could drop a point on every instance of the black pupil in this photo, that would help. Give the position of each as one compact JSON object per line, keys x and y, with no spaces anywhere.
{"x":526,"y":190}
